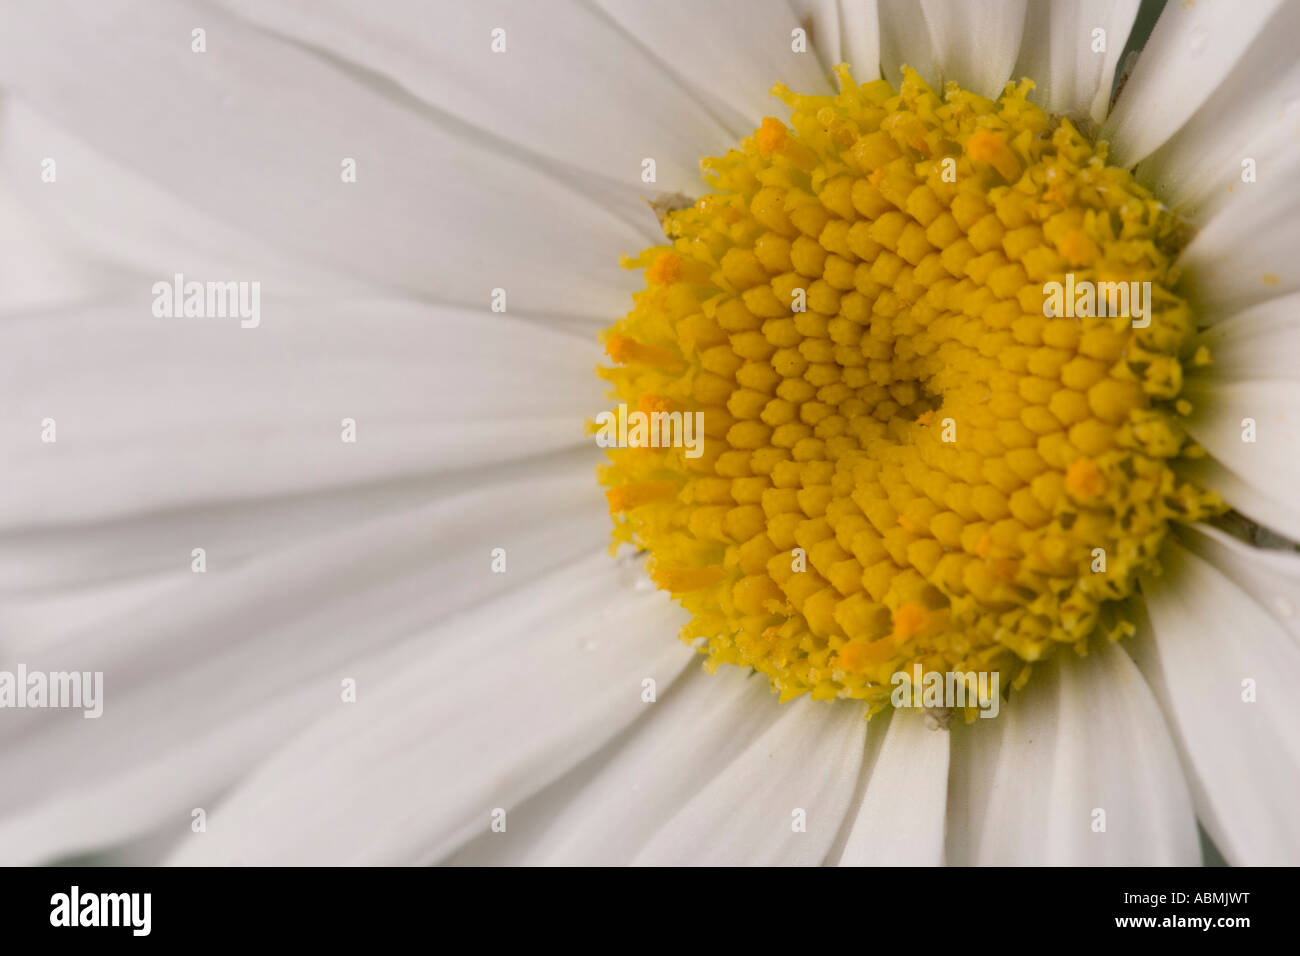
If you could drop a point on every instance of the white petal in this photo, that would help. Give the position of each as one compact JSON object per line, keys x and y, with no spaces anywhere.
{"x":519,"y":692}
{"x":98,"y":209}
{"x":152,"y":413}
{"x":59,"y":582}
{"x":1085,"y":735}
{"x":905,"y":41}
{"x":978,"y":789}
{"x":731,"y":50}
{"x":1191,"y":50}
{"x":202,"y":684}
{"x":1245,"y":254}
{"x":37,"y":269}
{"x":46,"y":564}
{"x":1207,"y":638}
{"x":1252,"y":345}
{"x":1279,"y":514}
{"x":255,"y":132}
{"x":1058,"y":52}
{"x":901,"y":819}
{"x":529,"y":820}
{"x":1270,"y":575}
{"x":684,"y":740}
{"x":1253,"y":113}
{"x":569,"y":86}
{"x":975,"y":44}
{"x":860,"y":37}
{"x":827,"y":32}
{"x":802,"y":770}
{"x":1267,"y":463}
{"x":1252,"y":366}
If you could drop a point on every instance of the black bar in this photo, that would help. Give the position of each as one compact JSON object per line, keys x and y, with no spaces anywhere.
{"x":614,"y":908}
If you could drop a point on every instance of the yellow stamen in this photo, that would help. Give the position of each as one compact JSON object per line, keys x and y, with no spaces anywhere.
{"x":989,"y":146}
{"x":1084,"y":479}
{"x":858,"y":655}
{"x":773,"y":139}
{"x":771,"y":136}
{"x":685,"y":580}
{"x":908,"y":620}
{"x":906,"y":458}
{"x":628,"y":351}
{"x":665,"y":270}
{"x":1078,"y":249}
{"x":637,"y":493}
{"x":650,"y":403}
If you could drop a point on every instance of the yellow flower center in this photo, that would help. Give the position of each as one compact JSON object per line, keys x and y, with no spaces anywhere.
{"x":938,"y":361}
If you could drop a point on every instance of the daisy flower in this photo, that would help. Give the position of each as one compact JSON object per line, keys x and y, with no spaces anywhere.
{"x":985,"y":325}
